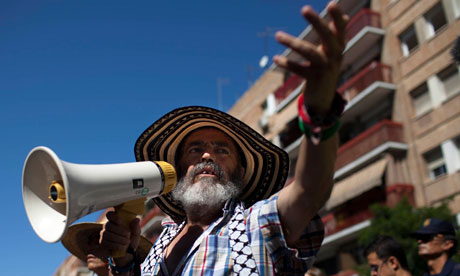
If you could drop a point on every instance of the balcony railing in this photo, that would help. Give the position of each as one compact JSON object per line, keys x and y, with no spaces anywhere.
{"x":372,"y":73}
{"x":379,"y":134}
{"x":332,"y":224}
{"x":287,"y":88}
{"x":363,"y":18}
{"x":343,"y":218}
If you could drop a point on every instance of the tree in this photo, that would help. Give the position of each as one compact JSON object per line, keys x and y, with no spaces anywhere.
{"x":399,"y":222}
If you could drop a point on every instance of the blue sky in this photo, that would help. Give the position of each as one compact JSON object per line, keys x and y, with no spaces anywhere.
{"x":85,"y":78}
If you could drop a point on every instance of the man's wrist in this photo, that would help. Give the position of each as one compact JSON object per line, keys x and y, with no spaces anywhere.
{"x":123,"y":265}
{"x":328,"y":119}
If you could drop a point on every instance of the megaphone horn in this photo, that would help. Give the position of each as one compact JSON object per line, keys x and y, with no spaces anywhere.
{"x":57,"y":193}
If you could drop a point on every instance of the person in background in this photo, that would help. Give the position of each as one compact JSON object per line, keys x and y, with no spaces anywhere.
{"x":386,"y":257}
{"x":437,"y":242}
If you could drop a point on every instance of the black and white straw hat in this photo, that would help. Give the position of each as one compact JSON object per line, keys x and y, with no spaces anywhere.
{"x":266,"y":164}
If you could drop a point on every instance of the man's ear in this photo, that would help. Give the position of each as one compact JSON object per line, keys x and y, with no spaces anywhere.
{"x":393,"y":263}
{"x":242,"y":172}
{"x":447,"y":244}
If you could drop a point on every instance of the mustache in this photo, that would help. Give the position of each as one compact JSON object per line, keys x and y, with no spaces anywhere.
{"x":219,"y":172}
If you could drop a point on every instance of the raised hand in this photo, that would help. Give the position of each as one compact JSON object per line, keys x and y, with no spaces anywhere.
{"x":322,"y":62}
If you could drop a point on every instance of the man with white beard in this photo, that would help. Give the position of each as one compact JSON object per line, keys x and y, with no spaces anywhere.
{"x":229,"y":213}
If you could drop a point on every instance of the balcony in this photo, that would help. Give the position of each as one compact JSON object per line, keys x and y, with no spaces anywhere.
{"x":363,"y":32}
{"x":287,"y":88}
{"x":333,"y":224}
{"x":343,"y":224}
{"x":363,"y":18}
{"x":367,"y":88}
{"x":367,"y":146}
{"x":373,"y":72}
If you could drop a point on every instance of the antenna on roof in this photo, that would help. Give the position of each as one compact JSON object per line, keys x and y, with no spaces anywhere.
{"x":269,"y":32}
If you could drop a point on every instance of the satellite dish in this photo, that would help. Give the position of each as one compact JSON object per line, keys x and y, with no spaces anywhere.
{"x":263,"y":61}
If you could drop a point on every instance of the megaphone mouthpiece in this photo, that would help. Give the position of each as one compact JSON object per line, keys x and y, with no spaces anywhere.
{"x":57,"y":193}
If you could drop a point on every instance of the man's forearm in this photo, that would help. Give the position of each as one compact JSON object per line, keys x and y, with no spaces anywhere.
{"x":300,"y":201}
{"x":315,"y":171}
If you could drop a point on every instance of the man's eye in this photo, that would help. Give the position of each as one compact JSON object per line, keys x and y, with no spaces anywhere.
{"x":223,"y":151}
{"x":194,"y":150}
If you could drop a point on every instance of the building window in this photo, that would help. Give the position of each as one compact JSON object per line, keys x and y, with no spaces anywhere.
{"x":435,"y":20}
{"x":421,"y":100}
{"x":457,"y":146}
{"x":450,"y":78}
{"x":435,"y":163}
{"x":408,"y":40}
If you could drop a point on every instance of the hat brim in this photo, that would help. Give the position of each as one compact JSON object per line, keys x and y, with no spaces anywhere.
{"x":418,"y":235}
{"x":73,"y":243}
{"x":266,"y":168}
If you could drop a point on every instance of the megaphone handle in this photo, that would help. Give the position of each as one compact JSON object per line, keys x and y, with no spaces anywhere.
{"x":127,"y":212}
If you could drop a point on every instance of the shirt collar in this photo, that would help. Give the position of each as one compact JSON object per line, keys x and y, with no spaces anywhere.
{"x":448,"y":267}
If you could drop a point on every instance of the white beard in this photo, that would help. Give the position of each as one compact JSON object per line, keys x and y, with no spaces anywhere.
{"x":206,"y":195}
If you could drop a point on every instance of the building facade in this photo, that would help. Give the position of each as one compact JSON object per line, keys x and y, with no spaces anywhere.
{"x":400,"y":133}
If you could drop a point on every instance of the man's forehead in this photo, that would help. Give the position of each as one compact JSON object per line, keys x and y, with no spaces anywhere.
{"x":372,"y":257}
{"x":208,"y":135}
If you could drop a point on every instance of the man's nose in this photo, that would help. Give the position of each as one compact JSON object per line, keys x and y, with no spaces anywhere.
{"x":207,"y":157}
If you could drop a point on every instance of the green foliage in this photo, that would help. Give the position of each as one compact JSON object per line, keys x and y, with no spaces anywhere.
{"x":362,"y":269}
{"x":399,"y":222}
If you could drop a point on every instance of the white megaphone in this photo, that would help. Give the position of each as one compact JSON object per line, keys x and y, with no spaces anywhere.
{"x":57,"y":193}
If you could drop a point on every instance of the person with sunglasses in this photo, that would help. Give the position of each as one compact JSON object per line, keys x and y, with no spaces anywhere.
{"x":437,"y":242}
{"x":386,"y":257}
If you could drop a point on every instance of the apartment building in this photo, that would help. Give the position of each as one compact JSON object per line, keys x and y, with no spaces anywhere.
{"x":400,"y":133}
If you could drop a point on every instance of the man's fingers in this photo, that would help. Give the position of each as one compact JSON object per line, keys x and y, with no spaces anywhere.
{"x":114,"y":225}
{"x":303,"y":48}
{"x":113,"y":235}
{"x":319,"y":24}
{"x":113,"y":217}
{"x":339,"y":22}
{"x":135,"y":233}
{"x":302,"y":70}
{"x":332,"y":35}
{"x":113,"y":241}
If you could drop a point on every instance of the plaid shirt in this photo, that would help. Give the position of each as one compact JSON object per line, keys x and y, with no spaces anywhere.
{"x":211,"y":252}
